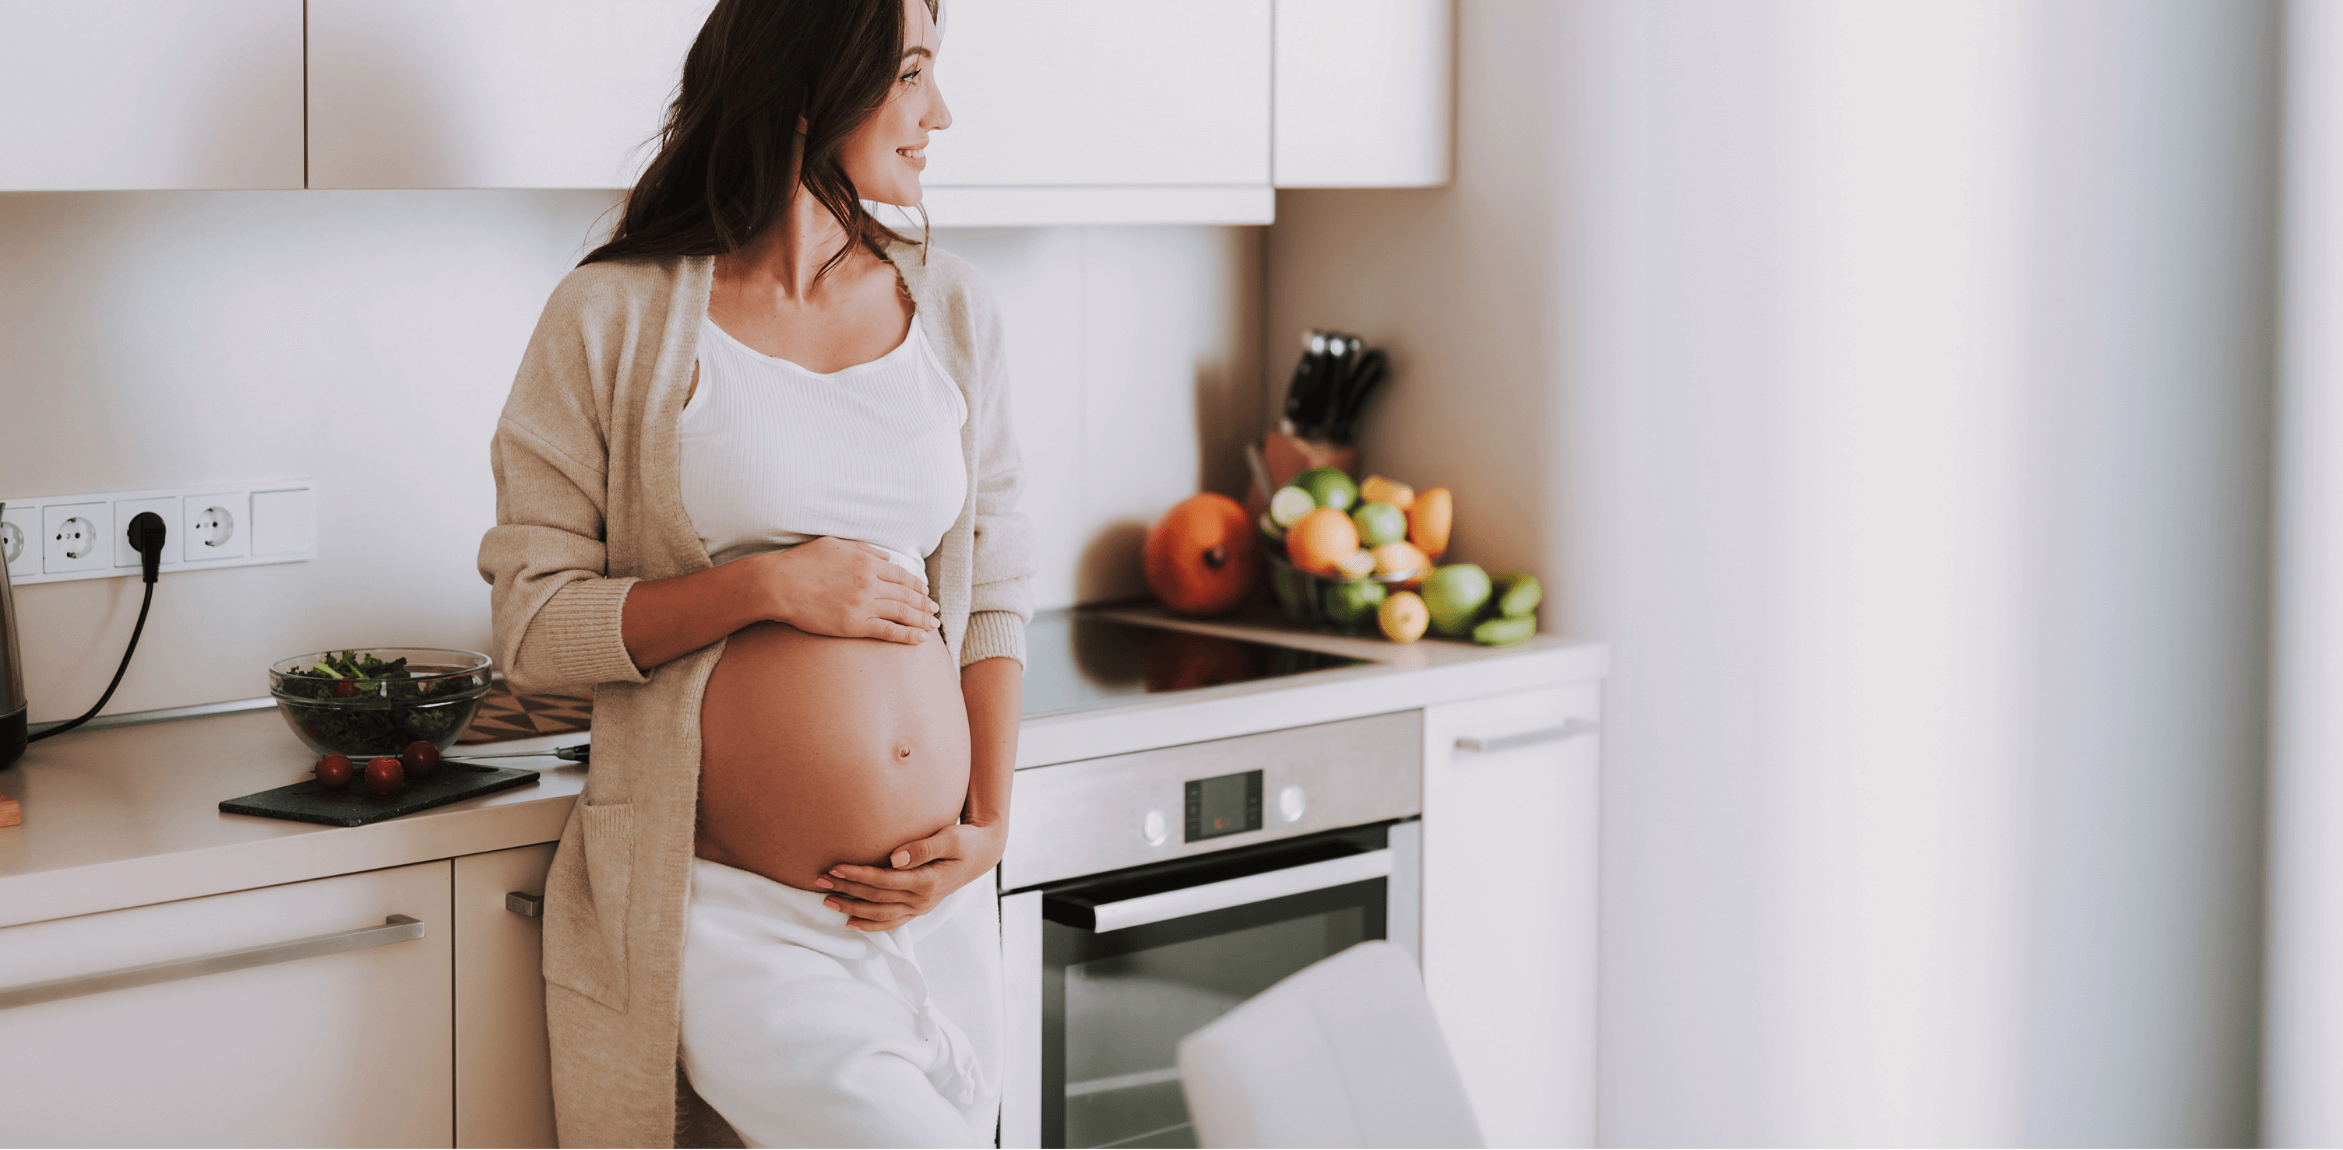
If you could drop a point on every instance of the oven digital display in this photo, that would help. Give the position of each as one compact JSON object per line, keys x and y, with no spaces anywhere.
{"x":1227,"y":805}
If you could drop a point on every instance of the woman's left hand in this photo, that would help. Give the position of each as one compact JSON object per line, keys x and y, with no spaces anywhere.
{"x":920,"y":876}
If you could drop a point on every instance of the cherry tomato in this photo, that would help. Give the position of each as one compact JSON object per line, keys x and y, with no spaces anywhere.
{"x":335,"y":771}
{"x":385,"y":775}
{"x":344,"y":688}
{"x":421,"y":758}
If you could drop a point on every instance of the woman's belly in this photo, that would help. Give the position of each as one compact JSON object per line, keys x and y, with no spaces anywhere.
{"x":817,"y":751}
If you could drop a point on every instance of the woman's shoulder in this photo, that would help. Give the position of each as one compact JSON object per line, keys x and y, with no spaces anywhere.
{"x":951,"y":294}
{"x":621,"y":287}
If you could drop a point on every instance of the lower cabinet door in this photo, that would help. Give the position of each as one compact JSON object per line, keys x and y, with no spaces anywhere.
{"x":307,"y":1023}
{"x":1510,"y":819}
{"x":504,"y":1085}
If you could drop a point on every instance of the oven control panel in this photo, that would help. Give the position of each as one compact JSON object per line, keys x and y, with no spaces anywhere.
{"x":1100,"y":815}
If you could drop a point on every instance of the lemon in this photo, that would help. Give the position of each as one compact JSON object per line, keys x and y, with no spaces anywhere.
{"x":1377,"y":489}
{"x":1379,"y":523}
{"x":1289,"y":505}
{"x":1356,"y":565}
{"x":1403,"y":617}
{"x":1329,"y":487}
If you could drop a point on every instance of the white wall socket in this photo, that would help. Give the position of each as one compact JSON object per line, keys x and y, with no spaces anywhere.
{"x":210,"y":525}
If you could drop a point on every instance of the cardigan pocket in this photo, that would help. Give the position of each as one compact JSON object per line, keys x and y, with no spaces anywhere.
{"x":586,"y":903}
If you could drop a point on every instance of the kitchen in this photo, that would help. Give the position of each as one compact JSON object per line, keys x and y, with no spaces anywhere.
{"x":1619,"y":330}
{"x":1139,"y":372}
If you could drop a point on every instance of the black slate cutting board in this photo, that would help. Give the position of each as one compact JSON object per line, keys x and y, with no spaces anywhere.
{"x":355,"y":806}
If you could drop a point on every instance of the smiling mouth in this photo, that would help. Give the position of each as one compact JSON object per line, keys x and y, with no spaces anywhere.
{"x":912,"y":153}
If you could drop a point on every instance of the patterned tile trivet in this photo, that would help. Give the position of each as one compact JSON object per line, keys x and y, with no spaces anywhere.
{"x":505,"y":715}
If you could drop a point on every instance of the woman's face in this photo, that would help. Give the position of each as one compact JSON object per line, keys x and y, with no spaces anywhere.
{"x":886,"y":153}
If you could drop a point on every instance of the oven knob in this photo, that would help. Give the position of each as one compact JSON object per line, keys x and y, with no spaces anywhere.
{"x":1291,"y":803}
{"x":1154,"y":828}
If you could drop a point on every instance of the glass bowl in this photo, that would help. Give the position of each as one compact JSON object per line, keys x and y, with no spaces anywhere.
{"x":1341,"y":606}
{"x":422,"y":693}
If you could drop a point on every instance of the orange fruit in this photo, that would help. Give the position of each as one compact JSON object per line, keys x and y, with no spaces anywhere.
{"x":1320,"y":540}
{"x":1400,"y":558}
{"x":1377,"y":489}
{"x":1428,"y":521}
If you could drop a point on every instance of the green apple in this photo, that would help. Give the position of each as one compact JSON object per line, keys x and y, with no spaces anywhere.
{"x":1456,"y":593}
{"x":1351,"y":601}
{"x":1379,"y":523}
{"x":1329,"y":486}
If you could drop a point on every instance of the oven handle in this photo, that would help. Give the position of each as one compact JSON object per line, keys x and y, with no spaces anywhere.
{"x":1251,"y":888}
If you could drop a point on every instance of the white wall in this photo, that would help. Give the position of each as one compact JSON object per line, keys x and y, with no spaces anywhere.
{"x":368,"y":339}
{"x":1890,"y":385}
{"x":2304,"y":1013}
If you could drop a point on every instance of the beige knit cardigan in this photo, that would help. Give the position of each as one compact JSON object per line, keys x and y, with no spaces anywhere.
{"x":589,"y":501}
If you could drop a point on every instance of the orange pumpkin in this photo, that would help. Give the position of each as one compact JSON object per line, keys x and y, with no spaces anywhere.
{"x":1202,"y":556}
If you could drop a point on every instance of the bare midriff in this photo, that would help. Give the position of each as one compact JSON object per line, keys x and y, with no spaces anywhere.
{"x":817,"y":751}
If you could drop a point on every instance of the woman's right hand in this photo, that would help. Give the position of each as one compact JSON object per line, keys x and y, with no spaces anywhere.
{"x":833,"y":586}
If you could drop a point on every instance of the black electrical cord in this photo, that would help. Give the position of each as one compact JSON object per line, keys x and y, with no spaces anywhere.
{"x":146,"y":534}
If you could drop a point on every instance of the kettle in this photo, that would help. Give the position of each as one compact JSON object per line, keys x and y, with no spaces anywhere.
{"x":12,"y":702}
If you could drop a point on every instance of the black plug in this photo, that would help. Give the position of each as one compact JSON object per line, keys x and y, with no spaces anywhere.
{"x":147,"y":534}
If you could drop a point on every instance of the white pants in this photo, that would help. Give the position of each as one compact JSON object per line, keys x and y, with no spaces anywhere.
{"x":801,"y":1032}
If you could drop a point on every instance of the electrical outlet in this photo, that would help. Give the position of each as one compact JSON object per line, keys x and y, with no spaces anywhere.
{"x":20,"y":528}
{"x":224,"y":523}
{"x":125,"y":510}
{"x":75,"y":537}
{"x":216,"y":525}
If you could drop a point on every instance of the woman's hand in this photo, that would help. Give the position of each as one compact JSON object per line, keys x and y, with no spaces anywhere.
{"x":920,"y":876}
{"x":833,"y":586}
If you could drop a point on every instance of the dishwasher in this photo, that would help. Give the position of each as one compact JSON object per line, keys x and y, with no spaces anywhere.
{"x":1146,"y":894}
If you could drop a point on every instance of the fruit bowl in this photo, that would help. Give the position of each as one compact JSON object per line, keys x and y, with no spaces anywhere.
{"x":375,"y":700}
{"x":1341,"y":606}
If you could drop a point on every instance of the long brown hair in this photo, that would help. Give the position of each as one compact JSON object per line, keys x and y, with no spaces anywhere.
{"x":722,"y":172}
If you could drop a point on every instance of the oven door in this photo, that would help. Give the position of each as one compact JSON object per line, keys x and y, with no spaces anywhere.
{"x":1107,"y":975}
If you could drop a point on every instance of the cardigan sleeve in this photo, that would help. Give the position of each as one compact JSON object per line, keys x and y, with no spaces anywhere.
{"x":1000,"y":599}
{"x":556,"y":612}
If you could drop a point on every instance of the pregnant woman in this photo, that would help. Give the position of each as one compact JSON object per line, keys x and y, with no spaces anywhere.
{"x":756,"y":484}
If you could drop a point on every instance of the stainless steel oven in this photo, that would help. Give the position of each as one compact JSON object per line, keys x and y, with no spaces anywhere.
{"x":1147,"y":894}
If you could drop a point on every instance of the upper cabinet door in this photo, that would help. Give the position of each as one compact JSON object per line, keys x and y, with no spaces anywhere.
{"x":491,"y":93}
{"x":1090,"y":93}
{"x":109,"y":95}
{"x":1363,"y":93}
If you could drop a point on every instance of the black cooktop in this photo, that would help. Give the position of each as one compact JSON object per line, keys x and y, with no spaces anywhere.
{"x":1074,"y":662}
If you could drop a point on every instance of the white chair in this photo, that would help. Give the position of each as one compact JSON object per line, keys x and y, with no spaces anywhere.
{"x":1343,"y":1053}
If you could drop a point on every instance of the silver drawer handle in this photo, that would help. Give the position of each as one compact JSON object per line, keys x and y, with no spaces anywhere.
{"x":525,"y":904}
{"x":396,"y":928}
{"x":1221,"y":895}
{"x":1570,"y":729}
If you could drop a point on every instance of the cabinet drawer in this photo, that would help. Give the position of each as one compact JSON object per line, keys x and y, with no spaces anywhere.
{"x":352,"y":1048}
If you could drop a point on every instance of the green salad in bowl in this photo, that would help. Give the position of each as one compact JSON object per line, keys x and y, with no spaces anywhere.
{"x":376,"y":700}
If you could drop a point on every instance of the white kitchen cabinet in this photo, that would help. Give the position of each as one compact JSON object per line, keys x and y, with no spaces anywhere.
{"x":1363,"y":93}
{"x":128,"y":94}
{"x":491,"y":93}
{"x":1083,"y":110}
{"x":351,"y":1048}
{"x":1510,"y":819}
{"x":504,"y":1085}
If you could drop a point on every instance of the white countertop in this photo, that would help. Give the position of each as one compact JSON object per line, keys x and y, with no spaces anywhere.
{"x":128,"y":816}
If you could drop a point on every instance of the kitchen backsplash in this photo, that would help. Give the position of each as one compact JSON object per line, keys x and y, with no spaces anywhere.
{"x":368,"y":339}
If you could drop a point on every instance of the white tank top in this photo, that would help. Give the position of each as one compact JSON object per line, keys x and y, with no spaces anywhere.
{"x":774,"y":455}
